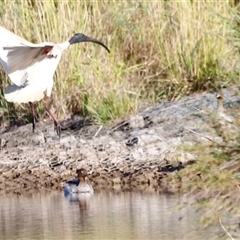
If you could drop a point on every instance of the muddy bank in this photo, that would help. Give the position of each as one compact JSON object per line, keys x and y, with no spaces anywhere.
{"x":140,"y":150}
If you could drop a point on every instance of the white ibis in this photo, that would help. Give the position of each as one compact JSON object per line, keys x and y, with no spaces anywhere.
{"x":31,"y":67}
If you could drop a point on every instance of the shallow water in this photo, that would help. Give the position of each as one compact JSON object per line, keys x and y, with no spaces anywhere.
{"x":105,"y":215}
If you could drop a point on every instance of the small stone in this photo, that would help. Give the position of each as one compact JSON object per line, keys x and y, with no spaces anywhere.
{"x":37,"y":138}
{"x":68,"y":139}
{"x":136,"y":122}
{"x":2,"y":143}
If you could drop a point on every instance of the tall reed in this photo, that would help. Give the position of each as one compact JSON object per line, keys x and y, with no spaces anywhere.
{"x":159,"y":49}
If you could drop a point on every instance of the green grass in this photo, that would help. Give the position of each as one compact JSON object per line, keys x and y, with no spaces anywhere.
{"x":159,"y":50}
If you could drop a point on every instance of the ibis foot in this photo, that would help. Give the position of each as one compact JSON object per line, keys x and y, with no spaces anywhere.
{"x":34,"y":116}
{"x":34,"y":121}
{"x":57,"y":128}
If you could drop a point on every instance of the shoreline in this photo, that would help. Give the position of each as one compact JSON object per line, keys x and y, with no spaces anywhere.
{"x":144,"y":149}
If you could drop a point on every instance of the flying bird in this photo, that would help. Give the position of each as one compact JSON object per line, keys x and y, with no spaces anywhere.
{"x":31,"y":68}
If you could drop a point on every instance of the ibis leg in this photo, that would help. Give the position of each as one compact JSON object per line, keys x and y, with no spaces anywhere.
{"x":34,"y":116}
{"x":57,"y":125}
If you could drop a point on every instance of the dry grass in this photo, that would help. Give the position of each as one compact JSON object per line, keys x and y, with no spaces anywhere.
{"x":159,"y":49}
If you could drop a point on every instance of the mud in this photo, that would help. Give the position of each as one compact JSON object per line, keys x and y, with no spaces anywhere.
{"x":140,"y":150}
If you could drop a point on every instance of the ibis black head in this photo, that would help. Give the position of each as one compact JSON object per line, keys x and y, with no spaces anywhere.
{"x":80,"y":37}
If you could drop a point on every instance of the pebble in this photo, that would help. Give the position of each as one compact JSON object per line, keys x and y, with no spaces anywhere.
{"x":37,"y":138}
{"x":67,"y":139}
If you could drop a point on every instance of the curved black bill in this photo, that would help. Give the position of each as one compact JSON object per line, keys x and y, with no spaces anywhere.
{"x":88,"y":39}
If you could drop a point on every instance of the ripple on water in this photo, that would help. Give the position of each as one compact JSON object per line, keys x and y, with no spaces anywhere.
{"x":104,"y":215}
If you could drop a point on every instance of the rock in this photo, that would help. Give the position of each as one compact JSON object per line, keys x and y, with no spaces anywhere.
{"x":136,"y":121}
{"x":68,"y":140}
{"x":37,"y":138}
{"x":2,"y":143}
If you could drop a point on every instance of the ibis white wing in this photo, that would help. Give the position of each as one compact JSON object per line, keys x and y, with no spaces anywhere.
{"x":17,"y":54}
{"x":30,"y":66}
{"x":39,"y":78}
{"x":10,"y":39}
{"x":19,"y":59}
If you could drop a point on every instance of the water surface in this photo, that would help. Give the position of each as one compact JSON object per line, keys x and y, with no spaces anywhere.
{"x":105,"y":215}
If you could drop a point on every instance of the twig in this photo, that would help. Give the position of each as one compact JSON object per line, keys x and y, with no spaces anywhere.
{"x":199,"y":134}
{"x":118,"y":126}
{"x":225,"y":230}
{"x":99,"y":129}
{"x":131,"y":92}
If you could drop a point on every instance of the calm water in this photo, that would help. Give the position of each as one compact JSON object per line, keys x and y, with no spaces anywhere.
{"x":105,"y":215}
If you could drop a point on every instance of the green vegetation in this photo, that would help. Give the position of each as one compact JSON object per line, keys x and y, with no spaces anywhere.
{"x":159,"y":50}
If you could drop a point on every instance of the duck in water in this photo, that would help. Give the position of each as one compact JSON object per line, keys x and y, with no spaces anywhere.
{"x":79,"y":185}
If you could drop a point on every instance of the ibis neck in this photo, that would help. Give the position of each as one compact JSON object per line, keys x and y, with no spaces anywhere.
{"x":64,"y":45}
